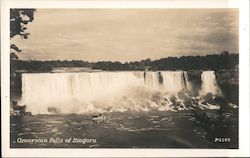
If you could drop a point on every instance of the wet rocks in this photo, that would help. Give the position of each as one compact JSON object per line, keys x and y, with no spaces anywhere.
{"x":17,"y":110}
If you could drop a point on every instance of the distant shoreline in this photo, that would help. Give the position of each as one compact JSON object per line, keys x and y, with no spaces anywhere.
{"x":223,"y":61}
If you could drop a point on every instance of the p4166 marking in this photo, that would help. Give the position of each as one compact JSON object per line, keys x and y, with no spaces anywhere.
{"x":222,"y":140}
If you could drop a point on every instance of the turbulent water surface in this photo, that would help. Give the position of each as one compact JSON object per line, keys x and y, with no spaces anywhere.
{"x":133,"y":130}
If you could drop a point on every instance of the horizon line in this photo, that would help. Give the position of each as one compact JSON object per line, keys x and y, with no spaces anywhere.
{"x":33,"y":59}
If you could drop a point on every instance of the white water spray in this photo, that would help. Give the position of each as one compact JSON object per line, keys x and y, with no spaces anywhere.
{"x":95,"y":91}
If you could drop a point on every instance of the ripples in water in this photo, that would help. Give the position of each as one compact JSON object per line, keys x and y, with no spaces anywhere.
{"x":139,"y":129}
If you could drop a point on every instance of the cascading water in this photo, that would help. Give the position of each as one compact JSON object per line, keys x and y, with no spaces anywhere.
{"x":209,"y":83}
{"x":96,"y":91}
{"x":168,"y":81}
{"x":175,"y":82}
{"x":152,"y":80}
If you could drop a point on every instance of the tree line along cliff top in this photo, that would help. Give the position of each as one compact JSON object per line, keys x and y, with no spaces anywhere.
{"x":215,"y":62}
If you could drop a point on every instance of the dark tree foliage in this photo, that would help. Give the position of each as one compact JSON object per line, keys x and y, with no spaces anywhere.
{"x":46,"y":66}
{"x":19,"y":18}
{"x":209,"y":62}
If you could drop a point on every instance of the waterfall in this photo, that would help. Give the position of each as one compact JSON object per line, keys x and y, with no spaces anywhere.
{"x":209,"y":83}
{"x":152,"y":80}
{"x":168,"y":81}
{"x":88,"y":91}
{"x":175,"y":81}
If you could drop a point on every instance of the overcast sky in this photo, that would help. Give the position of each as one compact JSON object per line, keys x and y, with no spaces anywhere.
{"x":129,"y":34}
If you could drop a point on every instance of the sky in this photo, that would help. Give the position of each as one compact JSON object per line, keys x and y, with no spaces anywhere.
{"x":128,"y":34}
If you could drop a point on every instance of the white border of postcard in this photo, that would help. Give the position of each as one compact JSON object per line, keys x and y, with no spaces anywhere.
{"x":244,"y":140}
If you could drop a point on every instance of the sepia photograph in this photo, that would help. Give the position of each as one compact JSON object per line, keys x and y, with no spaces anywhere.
{"x":89,"y":78}
{"x":124,"y":78}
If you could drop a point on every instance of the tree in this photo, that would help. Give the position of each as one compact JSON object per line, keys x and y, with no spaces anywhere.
{"x":19,"y":18}
{"x":225,"y":53}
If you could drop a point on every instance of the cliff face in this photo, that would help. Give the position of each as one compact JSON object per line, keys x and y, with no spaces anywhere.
{"x":228,"y":80}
